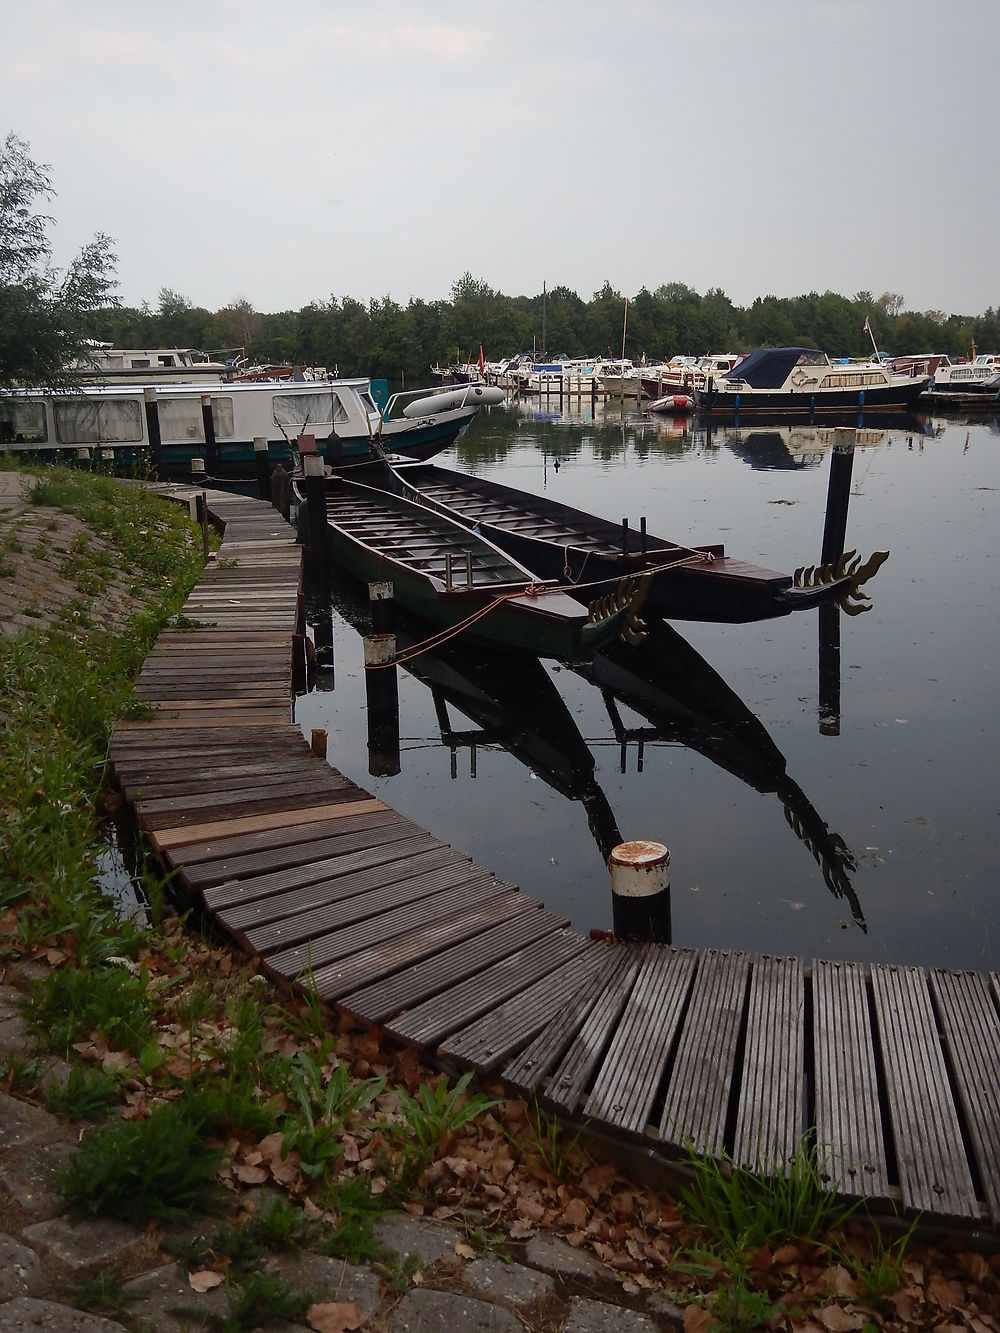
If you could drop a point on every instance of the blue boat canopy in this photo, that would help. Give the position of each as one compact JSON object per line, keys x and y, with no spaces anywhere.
{"x":769,"y":367}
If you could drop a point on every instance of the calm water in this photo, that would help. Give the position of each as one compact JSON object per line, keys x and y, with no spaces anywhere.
{"x":869,"y":835}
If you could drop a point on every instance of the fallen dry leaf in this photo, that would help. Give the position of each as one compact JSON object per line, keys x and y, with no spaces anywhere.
{"x":838,"y":1320}
{"x":696,"y":1319}
{"x":205,"y":1279}
{"x":251,"y":1175}
{"x":948,"y":1294}
{"x":334,"y":1317}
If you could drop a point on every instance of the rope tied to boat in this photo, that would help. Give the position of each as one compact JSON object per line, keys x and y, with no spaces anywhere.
{"x":442,"y":637}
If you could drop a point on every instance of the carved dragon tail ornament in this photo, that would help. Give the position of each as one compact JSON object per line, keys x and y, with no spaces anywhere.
{"x":629,"y":597}
{"x":852,"y":601}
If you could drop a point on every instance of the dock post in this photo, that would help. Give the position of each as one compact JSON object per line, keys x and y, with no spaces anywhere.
{"x":211,"y":447}
{"x":382,"y":695}
{"x":260,"y":460}
{"x":383,"y":607}
{"x":314,"y":489}
{"x":323,"y":647}
{"x":829,"y":669}
{"x":640,"y":891}
{"x":153,"y":430}
{"x":838,"y":497}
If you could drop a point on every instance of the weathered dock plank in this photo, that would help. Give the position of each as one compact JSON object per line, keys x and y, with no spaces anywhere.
{"x":696,"y":1103}
{"x":476,"y":886}
{"x":428,"y":1023}
{"x":571,"y":1045}
{"x":770,"y":1120}
{"x":428,"y":941}
{"x":357,"y":897}
{"x":970,"y":1022}
{"x":421,"y":981}
{"x":168,"y":840}
{"x":490,"y":1040}
{"x":934,"y":1172}
{"x":850,"y":1136}
{"x":627,"y":1083}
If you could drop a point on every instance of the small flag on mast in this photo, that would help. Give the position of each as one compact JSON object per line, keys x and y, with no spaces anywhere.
{"x":866,"y":329}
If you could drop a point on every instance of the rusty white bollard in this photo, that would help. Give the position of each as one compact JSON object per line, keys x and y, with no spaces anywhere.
{"x":640,"y":891}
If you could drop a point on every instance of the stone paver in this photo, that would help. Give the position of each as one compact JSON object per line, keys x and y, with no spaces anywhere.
{"x":27,"y":1313}
{"x":80,"y":1246}
{"x":429,"y":1241}
{"x":598,"y":1317}
{"x":20,"y":1269}
{"x":21,"y":1124}
{"x":514,"y":1284}
{"x":165,"y":1301}
{"x":423,"y":1311}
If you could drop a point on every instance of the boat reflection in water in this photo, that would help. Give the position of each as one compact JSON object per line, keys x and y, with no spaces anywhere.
{"x":513,"y":703}
{"x":784,"y":446}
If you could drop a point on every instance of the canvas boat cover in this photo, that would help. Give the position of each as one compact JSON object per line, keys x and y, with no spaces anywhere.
{"x":769,"y":367}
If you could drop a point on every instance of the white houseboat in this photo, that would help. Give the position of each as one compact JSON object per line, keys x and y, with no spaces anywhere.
{"x":220,"y":422}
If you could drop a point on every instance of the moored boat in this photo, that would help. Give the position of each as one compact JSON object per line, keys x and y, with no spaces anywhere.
{"x":589,"y":554}
{"x":953,"y":380}
{"x":802,"y":380}
{"x":684,"y":374}
{"x":672,"y":402}
{"x":453,"y":577}
{"x":219,"y":422}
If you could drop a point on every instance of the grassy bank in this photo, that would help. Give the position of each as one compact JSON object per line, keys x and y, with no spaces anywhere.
{"x":208,"y":1092}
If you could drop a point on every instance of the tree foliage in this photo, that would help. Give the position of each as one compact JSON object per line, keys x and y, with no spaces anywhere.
{"x":401,"y":342}
{"x":46,"y":314}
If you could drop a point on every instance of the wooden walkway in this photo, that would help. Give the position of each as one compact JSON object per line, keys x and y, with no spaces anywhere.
{"x":658,"y":1047}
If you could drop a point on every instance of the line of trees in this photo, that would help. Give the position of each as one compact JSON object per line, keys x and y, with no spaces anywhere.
{"x":400,"y":343}
{"x":47,"y":315}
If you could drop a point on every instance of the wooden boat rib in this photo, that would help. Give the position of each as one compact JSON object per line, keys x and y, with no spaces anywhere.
{"x":584,"y":552}
{"x":445,"y":573}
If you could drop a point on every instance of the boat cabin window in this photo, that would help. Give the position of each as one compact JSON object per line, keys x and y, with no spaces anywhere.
{"x":181,"y":419}
{"x":139,"y":362}
{"x":299,"y":410}
{"x":91,"y":421}
{"x":858,"y":379}
{"x":22,"y":422}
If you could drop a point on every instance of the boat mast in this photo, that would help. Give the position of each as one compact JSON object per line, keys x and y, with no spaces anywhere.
{"x":544,"y":301}
{"x":624,"y":327}
{"x":868,"y":330}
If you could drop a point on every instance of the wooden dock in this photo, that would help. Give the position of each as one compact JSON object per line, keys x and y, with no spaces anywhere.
{"x":655,"y":1046}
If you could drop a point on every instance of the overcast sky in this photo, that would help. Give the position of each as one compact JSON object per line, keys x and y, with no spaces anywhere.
{"x":291,"y":151}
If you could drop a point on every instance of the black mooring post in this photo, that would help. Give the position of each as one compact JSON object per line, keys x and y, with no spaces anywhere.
{"x":314,"y":490}
{"x":153,"y":430}
{"x":383,"y":607}
{"x":838,"y":498}
{"x":211,"y":448}
{"x":829,"y":669}
{"x":260,"y":462}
